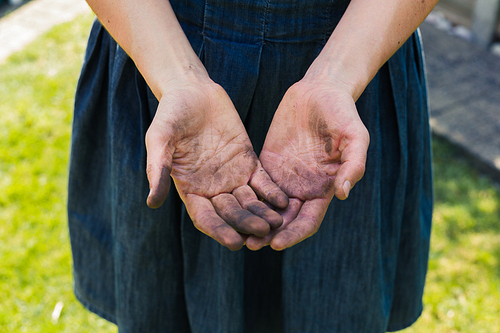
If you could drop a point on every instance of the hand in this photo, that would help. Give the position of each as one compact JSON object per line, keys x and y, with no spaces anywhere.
{"x":315,"y":148}
{"x":198,"y":138}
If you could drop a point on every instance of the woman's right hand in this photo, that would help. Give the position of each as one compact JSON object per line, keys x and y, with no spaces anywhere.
{"x":197,"y":137}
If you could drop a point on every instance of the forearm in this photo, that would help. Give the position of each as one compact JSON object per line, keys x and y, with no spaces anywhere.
{"x":369,"y":33}
{"x":151,"y":35}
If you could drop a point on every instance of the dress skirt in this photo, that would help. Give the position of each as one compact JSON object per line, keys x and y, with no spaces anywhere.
{"x":151,"y":271}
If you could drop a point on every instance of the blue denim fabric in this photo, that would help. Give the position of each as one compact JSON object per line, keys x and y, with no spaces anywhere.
{"x":152,"y":271}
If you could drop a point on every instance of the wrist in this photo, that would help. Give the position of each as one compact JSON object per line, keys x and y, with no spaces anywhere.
{"x":334,"y":73}
{"x":182,"y":74}
{"x":173,"y":62}
{"x":153,"y":38}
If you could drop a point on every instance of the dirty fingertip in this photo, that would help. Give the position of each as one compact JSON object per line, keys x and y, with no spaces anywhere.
{"x":280,"y":242}
{"x":278,"y":199}
{"x":153,"y":201}
{"x":278,"y":246}
{"x":159,"y":188}
{"x":254,"y":243}
{"x":261,"y":229}
{"x":158,"y":194}
{"x":230,"y":241}
{"x":253,"y":246}
{"x":274,"y":219}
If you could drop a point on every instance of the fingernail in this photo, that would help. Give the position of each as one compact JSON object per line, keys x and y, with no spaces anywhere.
{"x":347,"y":188}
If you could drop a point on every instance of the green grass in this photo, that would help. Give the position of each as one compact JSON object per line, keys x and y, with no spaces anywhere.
{"x":463,"y":285}
{"x":36,"y":97}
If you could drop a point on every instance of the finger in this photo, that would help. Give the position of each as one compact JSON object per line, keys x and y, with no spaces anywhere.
{"x":206,"y":220}
{"x":266,"y":189}
{"x":228,"y":208}
{"x":159,"y":185}
{"x":289,"y":214}
{"x":249,"y":201}
{"x":303,"y":226}
{"x":159,"y":165}
{"x":353,"y":164}
{"x":255,"y":243}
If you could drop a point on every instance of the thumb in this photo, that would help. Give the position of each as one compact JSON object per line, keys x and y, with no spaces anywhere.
{"x":159,"y":185}
{"x":353,"y":165}
{"x":159,"y":165}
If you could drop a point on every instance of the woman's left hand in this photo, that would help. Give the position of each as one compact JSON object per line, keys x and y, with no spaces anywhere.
{"x":315,"y":149}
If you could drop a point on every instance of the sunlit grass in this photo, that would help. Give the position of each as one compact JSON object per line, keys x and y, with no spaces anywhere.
{"x":463,"y":285}
{"x":36,"y":97}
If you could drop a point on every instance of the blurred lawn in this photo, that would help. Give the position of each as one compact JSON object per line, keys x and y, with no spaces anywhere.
{"x":36,"y":97}
{"x":463,"y":284}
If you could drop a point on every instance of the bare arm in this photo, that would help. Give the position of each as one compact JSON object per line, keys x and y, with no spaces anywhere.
{"x":149,"y":32}
{"x":369,"y":33}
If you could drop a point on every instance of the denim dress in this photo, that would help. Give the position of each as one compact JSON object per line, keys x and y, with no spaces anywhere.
{"x":151,"y":271}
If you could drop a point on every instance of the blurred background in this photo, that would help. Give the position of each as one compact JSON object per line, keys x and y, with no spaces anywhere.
{"x":8,"y":6}
{"x":41,"y":50}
